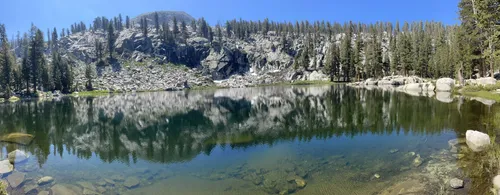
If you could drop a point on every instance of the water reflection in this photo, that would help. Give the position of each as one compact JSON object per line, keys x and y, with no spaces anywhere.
{"x":178,"y":126}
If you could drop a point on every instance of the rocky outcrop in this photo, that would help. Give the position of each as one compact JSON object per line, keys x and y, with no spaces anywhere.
{"x":6,"y":167}
{"x":486,"y":81}
{"x":18,"y":138}
{"x":164,"y":16}
{"x":144,"y":78}
{"x":45,"y":180}
{"x":226,"y":62}
{"x":445,"y":84}
{"x":17,"y":156}
{"x":477,"y":141}
{"x":317,"y":76}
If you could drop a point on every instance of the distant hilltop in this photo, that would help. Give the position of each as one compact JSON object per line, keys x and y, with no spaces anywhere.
{"x":165,"y":16}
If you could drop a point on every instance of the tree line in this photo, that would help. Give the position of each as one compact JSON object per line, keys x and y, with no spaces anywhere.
{"x":34,"y":73}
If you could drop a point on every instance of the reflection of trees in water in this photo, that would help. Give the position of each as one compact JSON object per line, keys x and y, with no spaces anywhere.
{"x":172,"y":127}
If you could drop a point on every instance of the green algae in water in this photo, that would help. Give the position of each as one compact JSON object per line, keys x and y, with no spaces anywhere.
{"x":266,"y":140}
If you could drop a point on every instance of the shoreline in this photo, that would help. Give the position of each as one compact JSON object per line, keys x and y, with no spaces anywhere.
{"x":485,"y":90}
{"x":96,"y":93}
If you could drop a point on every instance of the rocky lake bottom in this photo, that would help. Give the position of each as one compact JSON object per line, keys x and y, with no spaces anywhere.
{"x":268,"y":140}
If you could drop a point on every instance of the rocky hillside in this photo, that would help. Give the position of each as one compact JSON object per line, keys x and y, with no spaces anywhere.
{"x":223,"y":61}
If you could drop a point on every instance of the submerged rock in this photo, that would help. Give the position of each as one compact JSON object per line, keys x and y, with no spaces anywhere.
{"x":456,"y":183}
{"x":30,"y":189}
{"x":376,"y":176}
{"x":87,"y":185}
{"x":477,"y":141}
{"x":87,"y":191}
{"x":109,"y":181}
{"x":60,"y":189}
{"x":17,"y":156}
{"x":18,"y":138}
{"x":131,"y":182}
{"x":45,"y":180}
{"x":417,"y":161}
{"x":301,"y":183}
{"x":5,"y":167}
{"x":44,"y":193}
{"x":392,"y":151}
{"x":16,"y":179}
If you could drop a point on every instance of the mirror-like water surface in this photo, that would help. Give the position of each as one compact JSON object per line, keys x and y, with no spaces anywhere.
{"x":269,"y":140}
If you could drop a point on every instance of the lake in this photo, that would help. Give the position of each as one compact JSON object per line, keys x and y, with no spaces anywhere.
{"x":263,"y":140}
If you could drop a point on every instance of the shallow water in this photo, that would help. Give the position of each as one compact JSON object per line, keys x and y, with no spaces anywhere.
{"x":269,"y":140}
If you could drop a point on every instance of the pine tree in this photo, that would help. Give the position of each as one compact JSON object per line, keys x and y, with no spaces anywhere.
{"x":157,"y":22}
{"x":394,"y":53}
{"x":358,"y":56}
{"x":184,"y":31}
{"x":99,"y":48}
{"x":175,"y":29}
{"x":26,"y":69}
{"x":144,"y":26}
{"x":210,"y":34}
{"x":88,"y":76}
{"x":6,"y":62}
{"x":405,"y":52}
{"x":120,"y":22}
{"x":127,"y":22}
{"x":332,"y":64}
{"x":111,"y":41}
{"x":56,"y":71}
{"x":46,"y":79}
{"x":55,"y":41}
{"x":265,"y":27}
{"x":193,"y":26}
{"x":219,"y":33}
{"x":37,"y":60}
{"x":66,"y":74}
{"x":346,"y":52}
{"x":228,"y":29}
{"x":48,"y":39}
{"x":204,"y":31}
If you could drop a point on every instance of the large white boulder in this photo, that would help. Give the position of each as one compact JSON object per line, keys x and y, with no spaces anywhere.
{"x":477,"y":141}
{"x":417,"y":87}
{"x":371,"y":81}
{"x":318,"y":76}
{"x":486,"y":81}
{"x":445,"y":84}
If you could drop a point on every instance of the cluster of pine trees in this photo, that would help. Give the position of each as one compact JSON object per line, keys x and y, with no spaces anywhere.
{"x":34,"y":73}
{"x":425,"y":49}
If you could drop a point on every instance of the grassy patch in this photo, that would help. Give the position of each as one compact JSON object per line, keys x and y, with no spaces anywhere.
{"x":483,"y":91}
{"x":483,"y":94}
{"x":298,"y":83}
{"x":478,"y":88}
{"x":92,"y":93}
{"x":206,"y":87}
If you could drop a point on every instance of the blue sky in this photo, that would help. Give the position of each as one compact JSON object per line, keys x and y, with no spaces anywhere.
{"x":19,"y":14}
